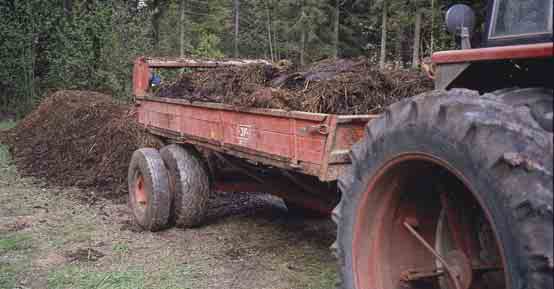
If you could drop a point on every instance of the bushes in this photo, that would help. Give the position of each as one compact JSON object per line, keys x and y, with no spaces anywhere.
{"x":92,"y":47}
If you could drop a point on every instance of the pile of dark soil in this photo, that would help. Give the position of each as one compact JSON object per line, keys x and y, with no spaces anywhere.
{"x":78,"y":138}
{"x":344,"y":86}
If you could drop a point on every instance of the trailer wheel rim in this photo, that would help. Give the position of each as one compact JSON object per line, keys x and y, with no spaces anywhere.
{"x":141,"y":198}
{"x":376,"y":233}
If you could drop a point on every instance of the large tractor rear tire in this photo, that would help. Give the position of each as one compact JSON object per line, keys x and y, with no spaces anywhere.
{"x":190,"y":183}
{"x":451,"y":190}
{"x":149,"y":193}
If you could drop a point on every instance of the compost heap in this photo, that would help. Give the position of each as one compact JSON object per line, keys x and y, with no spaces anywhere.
{"x":344,"y":86}
{"x":78,"y":138}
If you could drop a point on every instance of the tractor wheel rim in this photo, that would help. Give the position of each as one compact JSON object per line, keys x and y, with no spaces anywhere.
{"x":141,"y":199}
{"x":369,"y":259}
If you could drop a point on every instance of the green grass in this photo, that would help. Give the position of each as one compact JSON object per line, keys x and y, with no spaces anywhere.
{"x":316,"y":273}
{"x":5,"y":157}
{"x":4,"y":152}
{"x":320,"y":279}
{"x":8,"y":172}
{"x":327,"y":279}
{"x":8,"y":275}
{"x":79,"y":278}
{"x":171,"y":276}
{"x":131,"y":278}
{"x":74,"y":232}
{"x":120,"y":248}
{"x":15,"y":248}
{"x":121,"y":251}
{"x":4,"y":125}
{"x":14,"y":242}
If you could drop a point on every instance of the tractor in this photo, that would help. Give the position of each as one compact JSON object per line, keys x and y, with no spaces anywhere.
{"x":453,"y":189}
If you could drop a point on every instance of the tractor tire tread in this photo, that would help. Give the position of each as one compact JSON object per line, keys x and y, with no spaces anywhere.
{"x":506,"y":136}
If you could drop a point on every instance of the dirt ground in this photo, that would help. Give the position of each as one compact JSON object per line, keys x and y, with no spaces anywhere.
{"x":57,"y":238}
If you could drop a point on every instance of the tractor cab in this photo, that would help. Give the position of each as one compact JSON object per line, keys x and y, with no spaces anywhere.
{"x":514,"y":22}
{"x":516,"y":51}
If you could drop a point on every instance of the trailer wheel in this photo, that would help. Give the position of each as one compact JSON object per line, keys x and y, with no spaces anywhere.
{"x":451,"y":190}
{"x":149,"y":194}
{"x":190,"y":184}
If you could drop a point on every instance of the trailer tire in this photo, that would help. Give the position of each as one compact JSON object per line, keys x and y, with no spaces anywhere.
{"x":149,"y":194}
{"x":190,"y":184}
{"x":498,"y":142}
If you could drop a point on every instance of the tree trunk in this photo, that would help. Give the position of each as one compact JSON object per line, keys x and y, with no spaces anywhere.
{"x":302,"y":47}
{"x":182,"y":29}
{"x":383,"y":57}
{"x":303,"y":27}
{"x":31,"y":75}
{"x":417,"y":39}
{"x":68,"y":7}
{"x":336,"y":33}
{"x":269,"y":34}
{"x":399,"y":48}
{"x":276,"y":44}
{"x":237,"y":26}
{"x":432,"y":46}
{"x":157,"y":7}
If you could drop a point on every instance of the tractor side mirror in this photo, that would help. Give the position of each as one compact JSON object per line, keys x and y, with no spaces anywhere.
{"x":460,"y":20}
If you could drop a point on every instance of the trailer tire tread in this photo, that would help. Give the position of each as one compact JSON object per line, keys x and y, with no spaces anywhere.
{"x":149,"y":163}
{"x":192,"y":186}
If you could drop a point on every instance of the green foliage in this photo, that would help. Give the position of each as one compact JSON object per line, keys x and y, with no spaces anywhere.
{"x":208,"y":46}
{"x":93,"y":47}
{"x":314,"y":18}
{"x":75,"y":48}
{"x":23,"y":27}
{"x":129,"y":36}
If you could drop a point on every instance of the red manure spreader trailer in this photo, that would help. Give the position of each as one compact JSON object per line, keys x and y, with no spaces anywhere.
{"x":451,"y":189}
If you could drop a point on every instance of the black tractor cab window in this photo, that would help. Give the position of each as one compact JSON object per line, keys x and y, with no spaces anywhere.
{"x":520,"y":19}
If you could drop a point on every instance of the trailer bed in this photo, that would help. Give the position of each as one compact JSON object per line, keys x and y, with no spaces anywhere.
{"x":309,"y":143}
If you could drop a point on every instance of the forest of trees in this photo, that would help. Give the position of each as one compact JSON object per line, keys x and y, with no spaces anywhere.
{"x":91,"y":44}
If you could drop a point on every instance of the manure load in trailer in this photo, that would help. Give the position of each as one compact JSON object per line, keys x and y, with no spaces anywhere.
{"x":343,"y":86}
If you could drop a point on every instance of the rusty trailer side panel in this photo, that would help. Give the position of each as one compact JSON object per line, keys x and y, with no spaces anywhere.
{"x":309,"y":143}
